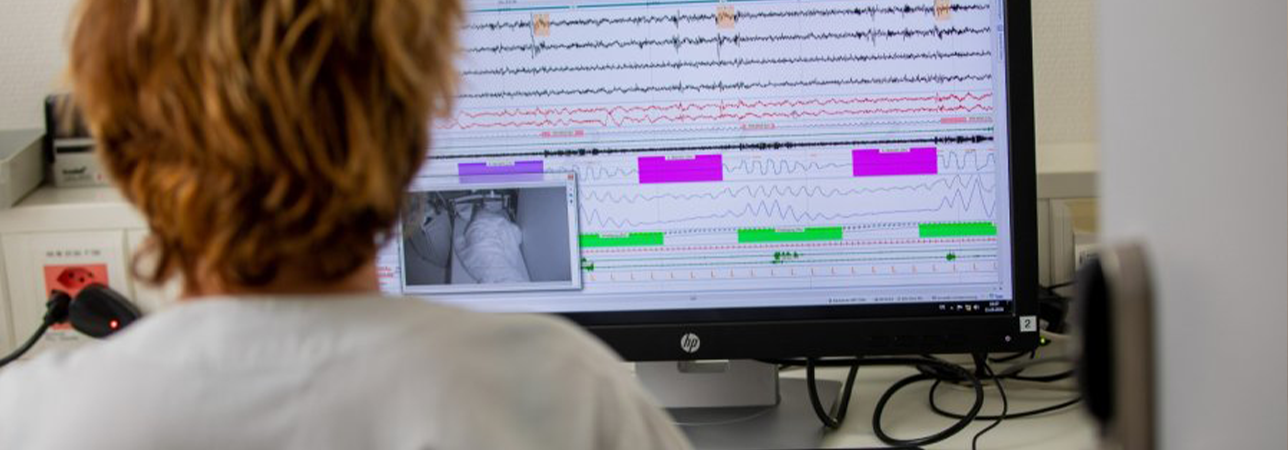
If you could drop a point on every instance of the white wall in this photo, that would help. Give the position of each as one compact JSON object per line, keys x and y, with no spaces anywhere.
{"x":1194,"y":161}
{"x":1064,"y":71}
{"x":32,"y":58}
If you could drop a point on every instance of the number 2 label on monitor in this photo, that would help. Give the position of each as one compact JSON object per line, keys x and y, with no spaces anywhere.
{"x":1028,"y":324}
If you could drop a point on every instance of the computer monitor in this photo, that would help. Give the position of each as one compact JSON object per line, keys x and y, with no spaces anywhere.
{"x":738,"y":179}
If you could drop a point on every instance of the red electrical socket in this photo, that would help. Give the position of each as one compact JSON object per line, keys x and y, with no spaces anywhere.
{"x":71,"y":279}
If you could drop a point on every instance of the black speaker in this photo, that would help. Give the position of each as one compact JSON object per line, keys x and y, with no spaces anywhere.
{"x":1114,"y":328}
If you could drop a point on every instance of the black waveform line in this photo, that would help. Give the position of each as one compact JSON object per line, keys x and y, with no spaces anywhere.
{"x":778,"y":167}
{"x":736,"y":62}
{"x":960,"y":160}
{"x":739,"y":146}
{"x":977,"y":195}
{"x":952,"y":160}
{"x":721,"y":86}
{"x":679,"y":18}
{"x":762,"y":167}
{"x":771,"y":190}
{"x":595,"y":173}
{"x":678,"y":42}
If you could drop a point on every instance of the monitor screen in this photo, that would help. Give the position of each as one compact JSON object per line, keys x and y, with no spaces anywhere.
{"x":721,"y":156}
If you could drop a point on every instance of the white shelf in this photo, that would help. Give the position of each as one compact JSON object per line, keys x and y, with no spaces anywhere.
{"x":70,"y":209}
{"x":1068,"y":170}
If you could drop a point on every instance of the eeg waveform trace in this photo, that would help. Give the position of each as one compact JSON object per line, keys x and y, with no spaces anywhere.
{"x":731,"y":145}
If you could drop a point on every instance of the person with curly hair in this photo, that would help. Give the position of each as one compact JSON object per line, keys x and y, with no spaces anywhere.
{"x":269,"y":145}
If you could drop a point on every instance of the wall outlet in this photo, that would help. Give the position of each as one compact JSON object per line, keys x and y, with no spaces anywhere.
{"x":37,"y":263}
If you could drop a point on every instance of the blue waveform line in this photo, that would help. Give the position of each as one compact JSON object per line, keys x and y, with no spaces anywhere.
{"x":977,"y":195}
{"x":948,"y":160}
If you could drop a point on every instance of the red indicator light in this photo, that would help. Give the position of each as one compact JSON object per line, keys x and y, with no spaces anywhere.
{"x":113,"y":324}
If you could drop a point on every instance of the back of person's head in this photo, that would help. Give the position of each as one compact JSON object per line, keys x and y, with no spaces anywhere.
{"x":263,"y":139}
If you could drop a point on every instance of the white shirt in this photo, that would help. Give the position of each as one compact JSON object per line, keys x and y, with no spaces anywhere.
{"x":351,"y":373}
{"x":490,"y":248}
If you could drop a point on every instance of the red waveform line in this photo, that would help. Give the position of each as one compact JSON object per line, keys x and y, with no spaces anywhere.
{"x":466,"y":119}
{"x":686,"y":118}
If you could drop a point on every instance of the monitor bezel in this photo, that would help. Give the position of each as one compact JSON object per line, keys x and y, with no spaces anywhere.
{"x":848,"y":330}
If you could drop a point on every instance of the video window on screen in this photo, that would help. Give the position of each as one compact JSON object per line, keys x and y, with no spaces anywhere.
{"x":489,"y":237}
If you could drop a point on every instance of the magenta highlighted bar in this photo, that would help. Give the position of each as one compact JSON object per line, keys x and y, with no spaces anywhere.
{"x":487,"y":173}
{"x":659,"y":169}
{"x":914,"y":161}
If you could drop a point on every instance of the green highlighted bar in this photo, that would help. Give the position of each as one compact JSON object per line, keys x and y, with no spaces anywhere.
{"x":938,"y":230}
{"x":753,"y":235}
{"x":622,"y":240}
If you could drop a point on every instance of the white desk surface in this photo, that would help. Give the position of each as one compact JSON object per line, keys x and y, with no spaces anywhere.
{"x":908,"y":414}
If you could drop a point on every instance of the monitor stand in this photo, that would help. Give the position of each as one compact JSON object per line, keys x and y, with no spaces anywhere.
{"x":738,"y":404}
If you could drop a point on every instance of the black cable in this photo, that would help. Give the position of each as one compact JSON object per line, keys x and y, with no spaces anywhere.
{"x":982,"y":361}
{"x":1042,"y":342}
{"x":920,"y":363}
{"x":56,"y":311}
{"x":938,"y":371}
{"x":26,"y":346}
{"x":954,"y":415}
{"x":847,"y":389}
{"x":1030,"y":353}
{"x":1011,"y":373}
{"x":1058,"y":285}
{"x":1050,"y":378}
{"x":1016,"y":371}
{"x":885,"y":397}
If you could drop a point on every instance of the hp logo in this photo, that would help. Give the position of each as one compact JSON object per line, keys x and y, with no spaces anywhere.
{"x":690,"y":343}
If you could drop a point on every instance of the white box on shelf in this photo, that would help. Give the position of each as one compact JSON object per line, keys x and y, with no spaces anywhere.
{"x":21,"y":164}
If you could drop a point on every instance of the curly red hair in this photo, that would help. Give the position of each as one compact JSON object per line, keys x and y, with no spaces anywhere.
{"x":259,"y":137}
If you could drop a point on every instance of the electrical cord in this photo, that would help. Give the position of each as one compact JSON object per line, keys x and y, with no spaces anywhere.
{"x":1044,"y":378}
{"x":1019,"y":415}
{"x":1058,"y":285}
{"x":26,"y":346}
{"x":950,"y":431}
{"x":1043,"y":341}
{"x":982,"y":361}
{"x":939,"y":372}
{"x":938,"y":365}
{"x":1014,"y":373}
{"x":56,"y":310}
{"x":846,"y":390}
{"x":1013,"y":356}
